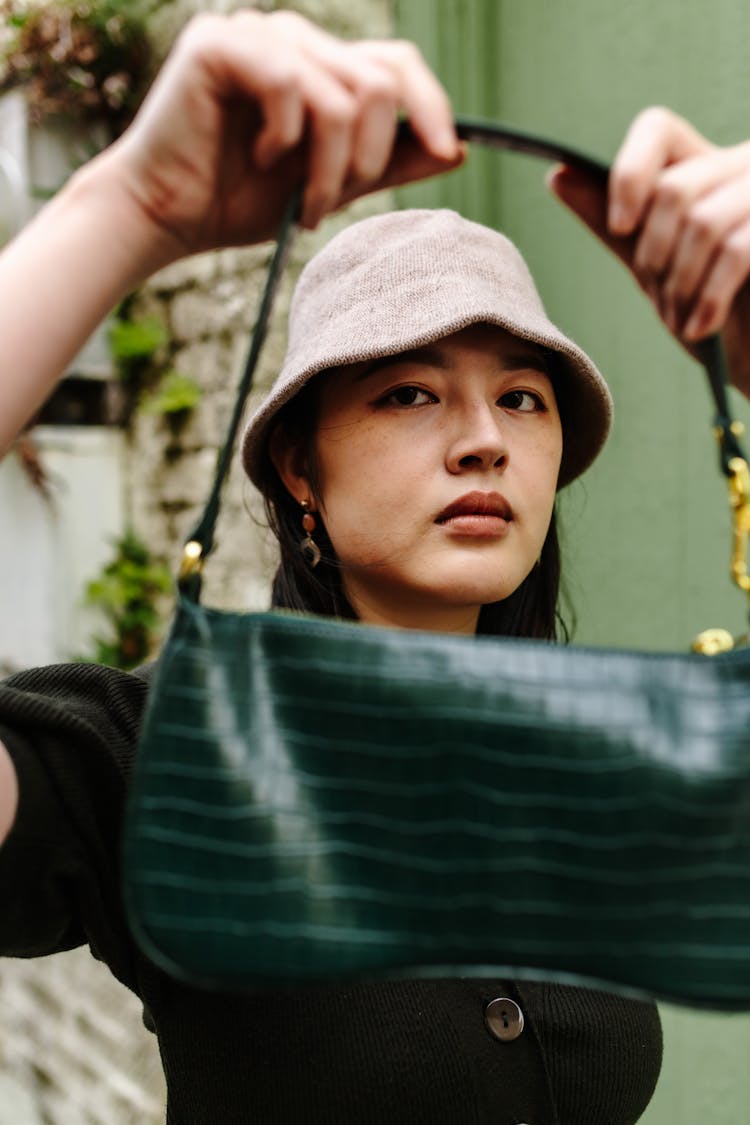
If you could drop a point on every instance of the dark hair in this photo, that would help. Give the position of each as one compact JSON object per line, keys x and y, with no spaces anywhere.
{"x":531,"y":611}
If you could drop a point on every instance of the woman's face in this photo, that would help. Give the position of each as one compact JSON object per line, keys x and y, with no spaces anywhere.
{"x":436,"y":476}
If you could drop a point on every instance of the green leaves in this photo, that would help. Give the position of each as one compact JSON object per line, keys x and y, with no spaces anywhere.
{"x":136,"y":340}
{"x":126,"y":592}
{"x":134,"y":344}
{"x":175,"y":394}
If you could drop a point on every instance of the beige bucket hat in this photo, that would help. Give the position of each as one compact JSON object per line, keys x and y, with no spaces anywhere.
{"x":400,"y":280}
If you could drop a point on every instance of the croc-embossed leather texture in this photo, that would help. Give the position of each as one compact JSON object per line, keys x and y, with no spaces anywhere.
{"x":318,"y":800}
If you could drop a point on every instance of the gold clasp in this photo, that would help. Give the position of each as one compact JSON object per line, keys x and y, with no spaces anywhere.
{"x":192,"y":561}
{"x":713,"y":641}
{"x":739,"y":498}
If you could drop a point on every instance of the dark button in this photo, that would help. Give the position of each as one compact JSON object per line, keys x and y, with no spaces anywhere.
{"x":503,"y":1019}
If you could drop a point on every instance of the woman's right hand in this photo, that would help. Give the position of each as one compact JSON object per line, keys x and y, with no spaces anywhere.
{"x":249,"y":105}
{"x":245,"y":109}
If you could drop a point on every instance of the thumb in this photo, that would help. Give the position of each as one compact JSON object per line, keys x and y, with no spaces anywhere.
{"x":587,"y":198}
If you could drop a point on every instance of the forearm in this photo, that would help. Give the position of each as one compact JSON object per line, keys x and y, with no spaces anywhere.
{"x":8,"y":793}
{"x":246,"y":107}
{"x":61,"y":276}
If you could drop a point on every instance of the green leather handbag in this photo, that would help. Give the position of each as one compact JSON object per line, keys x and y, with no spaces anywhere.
{"x":317,"y":799}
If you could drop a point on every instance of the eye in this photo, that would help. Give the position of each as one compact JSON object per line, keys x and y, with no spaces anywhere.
{"x":407,"y":396}
{"x":524,"y":402}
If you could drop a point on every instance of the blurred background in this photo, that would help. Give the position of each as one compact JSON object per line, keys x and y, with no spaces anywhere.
{"x":98,"y":496}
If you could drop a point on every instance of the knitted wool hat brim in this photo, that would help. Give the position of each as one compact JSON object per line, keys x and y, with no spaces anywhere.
{"x":397,"y":281}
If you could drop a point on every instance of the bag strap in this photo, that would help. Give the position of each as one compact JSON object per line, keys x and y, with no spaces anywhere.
{"x":201,"y":540}
{"x":491,"y":134}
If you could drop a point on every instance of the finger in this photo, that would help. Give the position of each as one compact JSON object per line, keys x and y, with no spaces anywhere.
{"x":373,"y":141}
{"x":283,"y":122}
{"x":420,"y":95}
{"x":308,"y":101}
{"x":411,"y":85}
{"x":384,"y":76}
{"x":587,"y":199}
{"x":350,"y":93}
{"x":709,"y":222}
{"x":656,"y":139}
{"x":242,"y":59}
{"x":657,"y":238}
{"x":377,"y":97}
{"x":298,"y":97}
{"x":726,"y":276}
{"x":331,"y":134}
{"x":367,"y":78}
{"x":409,"y":163}
{"x":674,"y":201}
{"x":372,"y":108}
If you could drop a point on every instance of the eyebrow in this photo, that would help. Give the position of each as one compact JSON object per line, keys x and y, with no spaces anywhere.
{"x":433,"y":355}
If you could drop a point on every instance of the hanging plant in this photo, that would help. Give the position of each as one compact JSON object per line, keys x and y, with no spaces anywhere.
{"x":85,"y":60}
{"x":175,"y":396}
{"x":134,"y":343}
{"x":127,"y":592}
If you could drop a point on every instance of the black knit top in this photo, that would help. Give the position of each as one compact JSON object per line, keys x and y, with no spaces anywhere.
{"x":393,"y":1052}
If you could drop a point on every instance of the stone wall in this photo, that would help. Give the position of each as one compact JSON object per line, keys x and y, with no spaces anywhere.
{"x":208,"y":305}
{"x":72,"y":1048}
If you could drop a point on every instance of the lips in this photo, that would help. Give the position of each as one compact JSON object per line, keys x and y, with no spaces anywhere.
{"x":477,"y":504}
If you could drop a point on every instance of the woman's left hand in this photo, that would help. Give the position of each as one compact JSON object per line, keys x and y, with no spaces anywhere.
{"x":677,"y":212}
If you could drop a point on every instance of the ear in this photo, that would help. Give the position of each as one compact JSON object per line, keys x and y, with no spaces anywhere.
{"x":291,"y":465}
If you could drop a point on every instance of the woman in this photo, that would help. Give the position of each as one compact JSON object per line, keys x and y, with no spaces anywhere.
{"x":450,"y":387}
{"x":453,"y":440}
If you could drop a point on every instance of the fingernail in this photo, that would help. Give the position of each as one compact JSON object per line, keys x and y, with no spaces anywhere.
{"x":445,"y":144}
{"x":694,"y":327}
{"x":311,"y":216}
{"x":617,"y":217}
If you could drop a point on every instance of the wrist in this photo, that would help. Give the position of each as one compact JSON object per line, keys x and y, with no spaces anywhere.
{"x":81,"y":255}
{"x":137,"y":244}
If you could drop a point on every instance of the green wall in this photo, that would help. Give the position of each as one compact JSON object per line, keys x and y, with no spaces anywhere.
{"x":646,"y":533}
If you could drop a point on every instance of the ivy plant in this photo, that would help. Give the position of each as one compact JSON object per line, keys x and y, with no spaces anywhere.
{"x":134,"y":343}
{"x":126,"y":592}
{"x":175,"y":394}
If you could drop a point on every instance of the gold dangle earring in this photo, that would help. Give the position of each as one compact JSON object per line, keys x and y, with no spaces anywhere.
{"x":308,"y":546}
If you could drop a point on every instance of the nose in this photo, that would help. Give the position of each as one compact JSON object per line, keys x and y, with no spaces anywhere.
{"x":478,"y":440}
